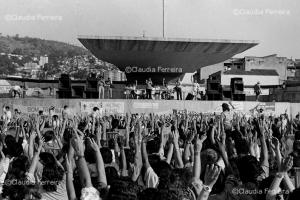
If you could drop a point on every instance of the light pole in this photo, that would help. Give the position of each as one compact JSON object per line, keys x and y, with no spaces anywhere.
{"x":163,"y":1}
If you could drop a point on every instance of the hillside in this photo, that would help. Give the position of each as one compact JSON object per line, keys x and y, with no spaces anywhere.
{"x":36,"y":47}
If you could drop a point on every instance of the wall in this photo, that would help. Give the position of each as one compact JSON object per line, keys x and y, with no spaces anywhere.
{"x":208,"y":70}
{"x":143,"y":106}
{"x":251,"y":80}
{"x":269,"y":62}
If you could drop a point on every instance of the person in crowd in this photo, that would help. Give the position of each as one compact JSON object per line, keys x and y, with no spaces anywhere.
{"x":178,"y":89}
{"x":109,"y":87}
{"x":101,"y":84}
{"x":257,"y":90}
{"x":181,"y":156}
{"x":149,"y":87}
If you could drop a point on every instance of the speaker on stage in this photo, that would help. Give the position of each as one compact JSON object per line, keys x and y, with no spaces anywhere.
{"x":91,"y":91}
{"x":237,"y":89}
{"x":214,"y":90}
{"x":64,"y":87}
{"x":189,"y":96}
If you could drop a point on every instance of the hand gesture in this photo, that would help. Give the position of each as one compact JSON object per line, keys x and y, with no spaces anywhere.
{"x":287,"y":164}
{"x":275,"y":142}
{"x":147,"y":138}
{"x":211,"y":175}
{"x":93,"y":144}
{"x":41,"y":143}
{"x":69,"y":167}
{"x":77,"y":144}
{"x":175,"y":137}
{"x":199,"y":142}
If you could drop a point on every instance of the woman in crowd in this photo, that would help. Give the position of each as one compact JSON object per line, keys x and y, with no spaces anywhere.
{"x":188,"y":156}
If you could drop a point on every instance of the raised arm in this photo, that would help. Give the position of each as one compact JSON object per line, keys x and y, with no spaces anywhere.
{"x":264,"y":148}
{"x":99,"y":162}
{"x":84,"y":174}
{"x":282,"y":172}
{"x":178,"y":157}
{"x":197,"y":160}
{"x":69,"y":182}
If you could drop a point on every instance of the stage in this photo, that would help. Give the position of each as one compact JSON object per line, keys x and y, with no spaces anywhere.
{"x":121,"y":106}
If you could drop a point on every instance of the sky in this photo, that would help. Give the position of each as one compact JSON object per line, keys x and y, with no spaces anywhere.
{"x":274,"y":23}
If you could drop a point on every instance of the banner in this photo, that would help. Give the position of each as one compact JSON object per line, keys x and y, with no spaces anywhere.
{"x":105,"y":108}
{"x":36,"y":109}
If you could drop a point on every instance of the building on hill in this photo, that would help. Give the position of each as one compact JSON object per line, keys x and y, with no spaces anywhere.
{"x":248,"y":63}
{"x":268,"y":79}
{"x":43,"y":60}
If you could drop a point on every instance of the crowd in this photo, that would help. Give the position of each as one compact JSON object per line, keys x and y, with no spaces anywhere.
{"x":181,"y":156}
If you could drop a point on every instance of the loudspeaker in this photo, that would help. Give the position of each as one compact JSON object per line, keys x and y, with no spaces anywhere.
{"x":237,"y":85}
{"x":214,"y":95}
{"x":78,"y":92}
{"x":64,"y":82}
{"x":189,"y":96}
{"x":64,"y":87}
{"x":92,"y":87}
{"x":239,"y":97}
{"x":213,"y":85}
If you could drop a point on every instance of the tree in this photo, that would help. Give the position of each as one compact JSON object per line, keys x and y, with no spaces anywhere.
{"x":6,"y":66}
{"x":17,"y":51}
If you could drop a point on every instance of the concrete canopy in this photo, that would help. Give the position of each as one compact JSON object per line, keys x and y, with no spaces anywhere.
{"x":162,"y":57}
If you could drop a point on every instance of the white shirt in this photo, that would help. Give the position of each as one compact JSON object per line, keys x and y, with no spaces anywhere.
{"x":7,"y":116}
{"x":151,"y":178}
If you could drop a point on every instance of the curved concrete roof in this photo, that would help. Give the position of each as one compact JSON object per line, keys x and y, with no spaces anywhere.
{"x":186,"y":54}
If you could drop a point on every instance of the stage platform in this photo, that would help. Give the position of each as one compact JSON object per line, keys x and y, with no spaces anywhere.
{"x":33,"y":105}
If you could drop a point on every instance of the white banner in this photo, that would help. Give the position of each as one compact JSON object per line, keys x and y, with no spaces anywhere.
{"x":104,"y":107}
{"x":36,"y":109}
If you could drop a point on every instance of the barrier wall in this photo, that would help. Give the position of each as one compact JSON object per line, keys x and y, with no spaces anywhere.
{"x":142,"y":106}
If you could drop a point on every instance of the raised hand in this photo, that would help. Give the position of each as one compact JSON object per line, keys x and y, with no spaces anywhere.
{"x":211,"y":175}
{"x":199,"y":142}
{"x":287,"y":164}
{"x":77,"y":144}
{"x":93,"y":144}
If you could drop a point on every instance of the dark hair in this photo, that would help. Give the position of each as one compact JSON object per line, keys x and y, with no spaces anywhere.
{"x":242,"y":146}
{"x":168,"y":195}
{"x":148,"y":194}
{"x":295,"y":194}
{"x":124,"y":188}
{"x":106,"y":155}
{"x":48,"y":135}
{"x":249,"y":168}
{"x":41,"y":112}
{"x":7,"y":107}
{"x":112,"y":174}
{"x":89,"y":154}
{"x":95,"y":109}
{"x":114,"y":123}
{"x":13,"y":149}
{"x":65,"y":106}
{"x":52,"y":173}
{"x":20,"y":191}
{"x":225,"y":107}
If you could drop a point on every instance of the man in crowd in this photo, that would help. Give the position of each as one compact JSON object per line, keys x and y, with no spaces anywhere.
{"x":181,"y":156}
{"x":257,"y":90}
{"x":149,"y":87}
{"x":178,"y":89}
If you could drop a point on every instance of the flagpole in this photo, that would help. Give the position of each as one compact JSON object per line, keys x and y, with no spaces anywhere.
{"x":163,"y":1}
